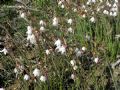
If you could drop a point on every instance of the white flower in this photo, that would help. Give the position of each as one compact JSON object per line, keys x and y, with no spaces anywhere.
{"x":83,"y":15}
{"x":47,"y":52}
{"x":5,"y":51}
{"x":79,"y":53}
{"x":108,"y":4}
{"x":29,"y":30}
{"x":92,"y":19}
{"x":96,"y":60}
{"x":58,"y":43}
{"x":62,"y":6}
{"x":26,"y":77}
{"x":106,"y":12}
{"x":55,"y":21}
{"x":98,"y":9}
{"x":101,"y":1}
{"x":72,"y":76}
{"x":22,"y":15}
{"x":84,"y":48}
{"x":70,"y":21}
{"x":93,"y":1}
{"x":116,"y":1}
{"x":2,"y":89}
{"x":36,"y":72}
{"x":42,"y":22}
{"x":70,"y":30}
{"x":85,"y":10}
{"x":31,"y":39}
{"x":62,"y":49}
{"x":114,"y":14}
{"x":55,"y":24}
{"x":114,"y":5}
{"x":75,"y":10}
{"x":60,"y":2}
{"x":15,"y":70}
{"x":88,"y":3}
{"x":42,"y":28}
{"x":93,"y":13}
{"x":73,"y":62}
{"x":75,"y":67}
{"x":111,"y":13}
{"x":43,"y":78}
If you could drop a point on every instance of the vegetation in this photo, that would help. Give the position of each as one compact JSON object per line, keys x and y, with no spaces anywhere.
{"x":59,"y":45}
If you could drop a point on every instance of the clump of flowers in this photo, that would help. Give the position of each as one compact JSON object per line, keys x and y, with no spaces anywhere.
{"x":30,"y":36}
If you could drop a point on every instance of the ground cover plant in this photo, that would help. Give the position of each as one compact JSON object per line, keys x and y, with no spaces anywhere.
{"x":59,"y":45}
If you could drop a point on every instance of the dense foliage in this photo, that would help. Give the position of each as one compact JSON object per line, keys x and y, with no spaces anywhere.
{"x":59,"y":45}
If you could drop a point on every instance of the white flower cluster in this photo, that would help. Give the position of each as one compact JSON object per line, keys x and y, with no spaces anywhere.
{"x":55,"y":21}
{"x":59,"y":47}
{"x":30,"y":36}
{"x":61,"y":4}
{"x":70,"y":21}
{"x":37,"y":73}
{"x":26,"y":77}
{"x":42,"y":25}
{"x":73,"y":63}
{"x":114,"y":10}
{"x":80,"y":52}
{"x":47,"y":52}
{"x":109,"y":8}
